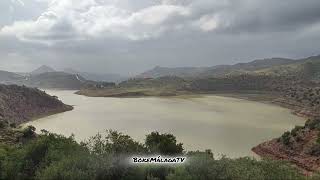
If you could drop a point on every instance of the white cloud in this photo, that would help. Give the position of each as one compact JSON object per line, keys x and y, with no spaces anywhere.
{"x":147,"y":19}
{"x":85,"y":19}
{"x":207,"y":23}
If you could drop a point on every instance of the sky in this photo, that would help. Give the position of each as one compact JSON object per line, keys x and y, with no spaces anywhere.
{"x":130,"y":36}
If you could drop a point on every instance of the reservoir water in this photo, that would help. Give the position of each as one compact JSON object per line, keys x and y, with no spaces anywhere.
{"x":226,"y":125}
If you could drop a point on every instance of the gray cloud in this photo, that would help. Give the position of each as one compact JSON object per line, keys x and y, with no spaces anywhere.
{"x":129,"y":37}
{"x":272,"y":15}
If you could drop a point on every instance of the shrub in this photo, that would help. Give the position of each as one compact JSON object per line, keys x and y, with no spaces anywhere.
{"x":51,"y":156}
{"x":13,"y":125}
{"x":295,"y":130}
{"x":313,"y":124}
{"x":163,"y":144}
{"x":39,"y":153}
{"x":28,"y":131}
{"x":3,"y":124}
{"x":285,"y":138}
{"x":114,"y":142}
{"x":204,"y":167}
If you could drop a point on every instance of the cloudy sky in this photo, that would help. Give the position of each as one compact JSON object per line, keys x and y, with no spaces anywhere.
{"x":130,"y":36}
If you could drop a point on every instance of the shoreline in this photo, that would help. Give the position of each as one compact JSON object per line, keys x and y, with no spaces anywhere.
{"x":257,"y":96}
{"x":68,"y":108}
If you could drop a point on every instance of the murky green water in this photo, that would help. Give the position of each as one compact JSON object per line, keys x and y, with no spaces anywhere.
{"x":226,"y":125}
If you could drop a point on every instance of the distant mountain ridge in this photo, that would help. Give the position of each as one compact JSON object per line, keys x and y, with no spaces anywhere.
{"x":42,"y":69}
{"x":47,"y":79}
{"x":178,"y":71}
{"x":71,"y":79}
{"x":219,"y":70}
{"x":56,"y":80}
{"x":7,"y":77}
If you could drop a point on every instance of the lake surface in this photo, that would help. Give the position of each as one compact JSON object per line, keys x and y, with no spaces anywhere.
{"x":226,"y":125}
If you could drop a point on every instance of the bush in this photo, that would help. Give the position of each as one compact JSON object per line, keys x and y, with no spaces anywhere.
{"x":74,"y":167}
{"x":13,"y":125}
{"x":295,"y":130}
{"x":28,"y":131}
{"x":3,"y":124}
{"x":163,"y":143}
{"x":114,"y":142}
{"x":285,"y":138}
{"x":204,"y":167}
{"x":37,"y":154}
{"x":313,"y":124}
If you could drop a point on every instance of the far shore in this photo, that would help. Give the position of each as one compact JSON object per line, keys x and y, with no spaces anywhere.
{"x":258,"y":96}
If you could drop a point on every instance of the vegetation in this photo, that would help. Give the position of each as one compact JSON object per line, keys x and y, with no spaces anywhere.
{"x":303,"y":135}
{"x":206,"y":167}
{"x":163,"y":144}
{"x":285,"y":138}
{"x":52,"y":156}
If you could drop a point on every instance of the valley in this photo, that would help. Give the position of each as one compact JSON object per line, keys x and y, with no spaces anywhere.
{"x":268,"y":97}
{"x":211,"y":118}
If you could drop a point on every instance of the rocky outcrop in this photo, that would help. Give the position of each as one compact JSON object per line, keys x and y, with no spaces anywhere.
{"x":301,"y":147}
{"x":298,"y":152}
{"x":19,"y":104}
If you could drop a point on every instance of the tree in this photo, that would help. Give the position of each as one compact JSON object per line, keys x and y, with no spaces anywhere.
{"x":165,"y":144}
{"x":29,"y":131}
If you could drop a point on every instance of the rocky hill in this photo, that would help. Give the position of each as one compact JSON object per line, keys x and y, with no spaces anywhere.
{"x":19,"y":104}
{"x":301,"y":146}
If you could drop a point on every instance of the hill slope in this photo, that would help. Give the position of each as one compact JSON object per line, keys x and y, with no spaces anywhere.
{"x":219,"y":70}
{"x":9,"y":77}
{"x":49,"y":80}
{"x":19,"y":104}
{"x":57,"y":80}
{"x":178,"y":71}
{"x":308,"y":68}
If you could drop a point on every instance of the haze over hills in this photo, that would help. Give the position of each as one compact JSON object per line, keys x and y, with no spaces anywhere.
{"x":276,"y":74}
{"x":56,"y":80}
{"x":256,"y":66}
{"x":101,"y":77}
{"x":7,"y":77}
{"x":46,"y":77}
{"x":178,"y":71}
{"x":107,"y":77}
